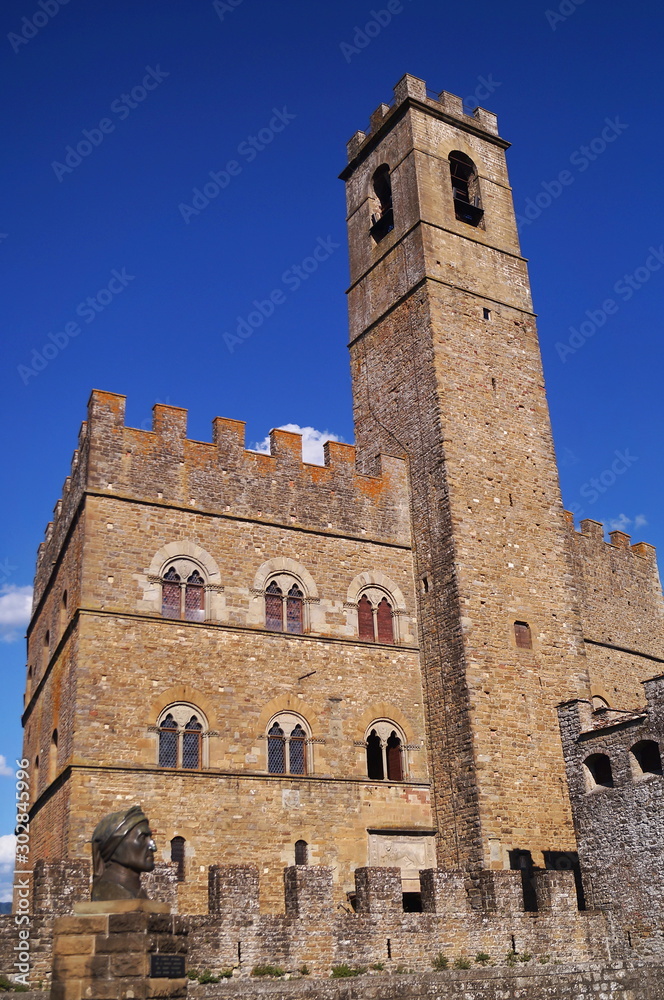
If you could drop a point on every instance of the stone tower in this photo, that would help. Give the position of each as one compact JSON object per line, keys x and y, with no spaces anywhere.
{"x":447,"y":374}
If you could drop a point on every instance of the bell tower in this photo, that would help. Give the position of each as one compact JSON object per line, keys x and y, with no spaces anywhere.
{"x":447,"y":373}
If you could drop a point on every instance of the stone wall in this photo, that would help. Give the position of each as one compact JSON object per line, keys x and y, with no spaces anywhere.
{"x":619,"y":980}
{"x":618,"y":812}
{"x":622,"y":611}
{"x":314,"y":931}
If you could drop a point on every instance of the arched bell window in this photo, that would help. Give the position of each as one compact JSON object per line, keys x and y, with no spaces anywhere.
{"x":385,"y":748}
{"x":465,"y":189}
{"x":180,"y":730}
{"x":287,"y":740}
{"x":382,"y":219}
{"x":183,"y":596}
{"x":284,"y":606}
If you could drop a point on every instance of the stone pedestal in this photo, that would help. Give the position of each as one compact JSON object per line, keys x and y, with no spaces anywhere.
{"x":119,"y":949}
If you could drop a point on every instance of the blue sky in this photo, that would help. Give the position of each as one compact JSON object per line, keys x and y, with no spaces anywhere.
{"x":133,"y":293}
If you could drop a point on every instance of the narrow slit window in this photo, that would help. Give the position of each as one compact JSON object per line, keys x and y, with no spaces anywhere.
{"x":522,"y":634}
{"x":177,"y":856}
{"x":301,"y":852}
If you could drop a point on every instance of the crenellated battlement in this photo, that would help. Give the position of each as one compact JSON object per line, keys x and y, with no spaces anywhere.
{"x":313,"y":930}
{"x":412,"y":89}
{"x":594,"y":530}
{"x":222,"y":476}
{"x":621,"y":605}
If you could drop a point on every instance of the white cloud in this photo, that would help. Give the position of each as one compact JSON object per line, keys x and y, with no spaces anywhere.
{"x":7,"y":852}
{"x":7,"y":849}
{"x":5,"y":770}
{"x":15,"y":608}
{"x":312,"y":442}
{"x":622,"y":522}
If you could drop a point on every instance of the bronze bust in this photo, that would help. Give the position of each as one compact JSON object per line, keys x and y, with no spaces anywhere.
{"x":122,"y":848}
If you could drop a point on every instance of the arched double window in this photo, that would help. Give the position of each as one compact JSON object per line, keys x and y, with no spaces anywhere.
{"x":287,"y":739}
{"x":465,"y":189}
{"x":183,"y":592}
{"x":385,"y":752}
{"x":284,"y":605}
{"x":375,"y":621}
{"x":181,"y":729}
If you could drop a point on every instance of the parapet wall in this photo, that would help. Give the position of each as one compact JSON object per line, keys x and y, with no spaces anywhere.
{"x":164,"y":467}
{"x":316,"y":932}
{"x":63,"y":514}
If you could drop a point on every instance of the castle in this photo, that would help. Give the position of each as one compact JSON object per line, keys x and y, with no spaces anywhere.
{"x":352,"y":671}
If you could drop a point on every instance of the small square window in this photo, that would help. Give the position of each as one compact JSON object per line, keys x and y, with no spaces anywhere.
{"x":487,"y":313}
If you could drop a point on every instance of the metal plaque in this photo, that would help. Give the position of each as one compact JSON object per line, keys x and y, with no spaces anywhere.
{"x":167,"y":966}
